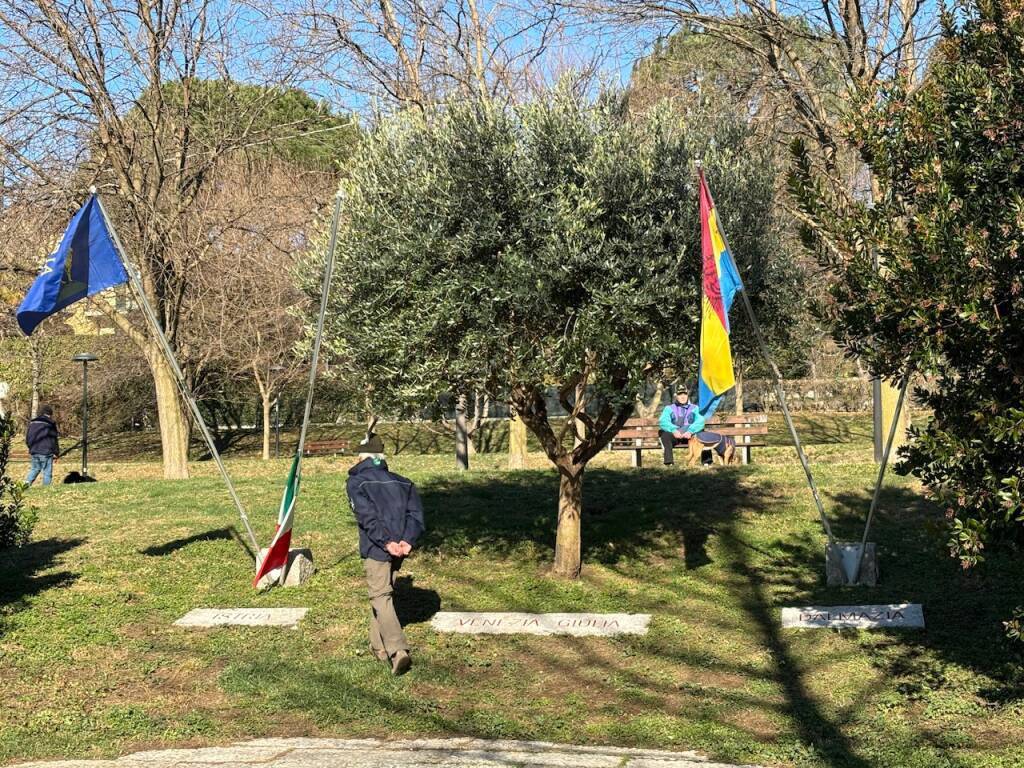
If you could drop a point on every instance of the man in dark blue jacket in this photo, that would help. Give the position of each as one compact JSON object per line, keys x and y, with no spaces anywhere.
{"x":41,"y":439}
{"x":390,"y":518}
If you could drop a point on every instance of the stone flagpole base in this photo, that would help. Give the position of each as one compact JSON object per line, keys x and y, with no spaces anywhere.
{"x":298,"y":570}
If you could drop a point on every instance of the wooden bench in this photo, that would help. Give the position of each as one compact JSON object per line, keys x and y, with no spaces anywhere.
{"x":326,"y":447}
{"x":638,"y":435}
{"x":18,"y":454}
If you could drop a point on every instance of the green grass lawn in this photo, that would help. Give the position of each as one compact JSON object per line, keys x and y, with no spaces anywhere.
{"x":91,"y":666}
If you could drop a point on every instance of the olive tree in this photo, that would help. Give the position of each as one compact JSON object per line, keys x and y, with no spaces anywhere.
{"x":512,"y":249}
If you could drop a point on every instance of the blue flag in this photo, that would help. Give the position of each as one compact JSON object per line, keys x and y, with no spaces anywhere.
{"x":85,"y":263}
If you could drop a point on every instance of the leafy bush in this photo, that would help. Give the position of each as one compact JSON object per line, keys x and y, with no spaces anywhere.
{"x":948,"y":299}
{"x":16,"y":522}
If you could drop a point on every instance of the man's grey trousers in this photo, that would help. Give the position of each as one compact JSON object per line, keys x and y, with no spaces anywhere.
{"x":386,"y":635}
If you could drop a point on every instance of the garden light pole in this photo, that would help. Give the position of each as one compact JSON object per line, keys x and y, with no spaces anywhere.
{"x":85,"y":358}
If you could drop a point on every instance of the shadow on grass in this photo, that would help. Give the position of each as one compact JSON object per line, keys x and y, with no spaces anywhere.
{"x":21,"y":574}
{"x":414,"y":605}
{"x":227,"y":533}
{"x":624,"y":513}
{"x":665,"y":682}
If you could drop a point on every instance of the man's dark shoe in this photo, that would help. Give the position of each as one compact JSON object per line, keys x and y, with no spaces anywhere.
{"x":400,"y":663}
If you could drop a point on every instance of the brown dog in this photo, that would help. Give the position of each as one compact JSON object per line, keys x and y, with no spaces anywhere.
{"x":696,"y":447}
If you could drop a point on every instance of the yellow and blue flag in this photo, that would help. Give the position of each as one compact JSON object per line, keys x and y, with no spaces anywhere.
{"x":85,"y":263}
{"x":721,"y":280}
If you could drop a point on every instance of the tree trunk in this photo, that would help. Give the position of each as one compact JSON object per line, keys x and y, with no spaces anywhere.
{"x":173,"y":424}
{"x":579,"y":432}
{"x":516,"y":443}
{"x":37,"y":376}
{"x":567,"y":537}
{"x":739,"y":389}
{"x":265,"y":397}
{"x":461,"y":434}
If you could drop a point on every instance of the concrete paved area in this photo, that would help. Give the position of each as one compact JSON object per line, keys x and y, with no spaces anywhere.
{"x":375,"y":753}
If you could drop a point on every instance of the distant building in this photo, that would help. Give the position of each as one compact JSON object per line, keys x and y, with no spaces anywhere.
{"x":86,"y":320}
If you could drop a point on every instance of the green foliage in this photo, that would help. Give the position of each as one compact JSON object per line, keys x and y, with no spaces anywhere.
{"x":489,"y":248}
{"x":16,"y":522}
{"x":949,"y":298}
{"x":285,"y":122}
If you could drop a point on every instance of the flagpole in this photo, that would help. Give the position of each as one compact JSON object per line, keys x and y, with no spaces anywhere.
{"x":776,"y":377}
{"x":325,"y":291}
{"x":165,"y":347}
{"x":881,"y":470}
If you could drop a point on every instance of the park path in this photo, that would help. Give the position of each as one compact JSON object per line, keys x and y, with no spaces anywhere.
{"x":375,"y":753}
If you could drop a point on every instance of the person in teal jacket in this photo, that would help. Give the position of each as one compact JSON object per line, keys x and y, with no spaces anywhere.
{"x":682,"y":421}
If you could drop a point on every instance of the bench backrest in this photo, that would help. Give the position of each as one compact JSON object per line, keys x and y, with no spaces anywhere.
{"x":725,"y":424}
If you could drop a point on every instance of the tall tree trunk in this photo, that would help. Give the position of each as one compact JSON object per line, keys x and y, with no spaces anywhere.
{"x":37,"y":376}
{"x":461,"y":434}
{"x":263,"y":386}
{"x":580,"y":430}
{"x":173,"y":423}
{"x":739,"y":388}
{"x":516,"y":443}
{"x":265,"y":397}
{"x":567,"y":537}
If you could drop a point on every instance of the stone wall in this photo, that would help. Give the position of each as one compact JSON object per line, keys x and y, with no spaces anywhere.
{"x":807,"y":395}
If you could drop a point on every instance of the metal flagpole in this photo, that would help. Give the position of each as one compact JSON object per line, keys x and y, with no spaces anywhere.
{"x":776,"y":380}
{"x":881,"y":471}
{"x":325,"y":291}
{"x":158,"y":334}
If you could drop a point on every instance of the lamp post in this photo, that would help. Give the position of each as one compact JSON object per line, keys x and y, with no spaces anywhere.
{"x":85,"y":358}
{"x":277,"y":415}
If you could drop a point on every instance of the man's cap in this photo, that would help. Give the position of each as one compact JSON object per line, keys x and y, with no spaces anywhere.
{"x":371,"y":444}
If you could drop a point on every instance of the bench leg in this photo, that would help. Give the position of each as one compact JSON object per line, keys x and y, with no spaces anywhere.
{"x":638,"y":458}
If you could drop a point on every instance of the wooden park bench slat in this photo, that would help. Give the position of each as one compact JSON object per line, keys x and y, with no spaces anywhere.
{"x":326,"y":447}
{"x":638,"y":434}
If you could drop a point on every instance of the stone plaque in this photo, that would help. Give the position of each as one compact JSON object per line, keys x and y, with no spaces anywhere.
{"x":908,"y":615}
{"x":245,"y":617}
{"x":604,"y":624}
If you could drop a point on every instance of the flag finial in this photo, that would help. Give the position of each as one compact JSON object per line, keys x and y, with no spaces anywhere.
{"x":92,"y":190}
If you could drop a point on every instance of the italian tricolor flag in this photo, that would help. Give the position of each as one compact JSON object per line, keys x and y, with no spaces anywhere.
{"x":277,"y":555}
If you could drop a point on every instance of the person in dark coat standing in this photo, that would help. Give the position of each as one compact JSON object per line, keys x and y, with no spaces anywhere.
{"x":390,"y":518}
{"x":41,"y":439}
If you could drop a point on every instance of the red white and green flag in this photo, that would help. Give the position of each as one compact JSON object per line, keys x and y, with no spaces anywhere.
{"x":277,"y":554}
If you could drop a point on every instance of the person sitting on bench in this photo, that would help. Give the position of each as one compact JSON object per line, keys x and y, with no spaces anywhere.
{"x":680,"y":422}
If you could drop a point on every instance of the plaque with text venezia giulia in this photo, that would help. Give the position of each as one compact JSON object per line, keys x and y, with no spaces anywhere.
{"x":905,"y":615}
{"x":579,"y":624}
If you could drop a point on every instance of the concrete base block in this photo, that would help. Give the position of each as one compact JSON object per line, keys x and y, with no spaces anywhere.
{"x":298,"y":570}
{"x":300,"y":567}
{"x":841,"y":564}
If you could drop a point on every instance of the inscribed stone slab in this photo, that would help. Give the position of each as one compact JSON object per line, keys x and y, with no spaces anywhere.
{"x":246,"y":617}
{"x":603,"y":624}
{"x":907,"y":615}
